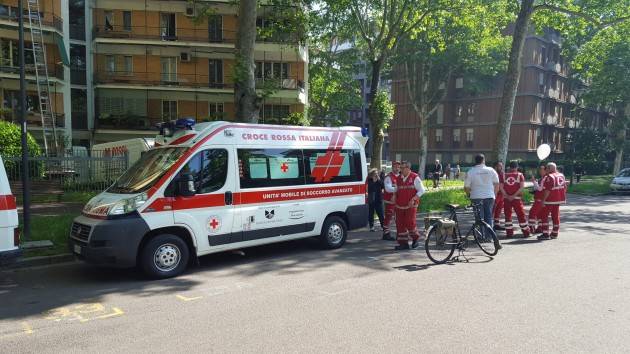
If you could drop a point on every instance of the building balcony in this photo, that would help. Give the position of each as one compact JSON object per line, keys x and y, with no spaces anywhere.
{"x":126,"y":122}
{"x":193,"y":81}
{"x":48,"y":19}
{"x":54,"y":71}
{"x":195,"y":34}
{"x":34,"y":119}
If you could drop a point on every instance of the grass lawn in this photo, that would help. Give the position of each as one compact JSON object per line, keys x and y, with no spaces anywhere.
{"x":54,"y":228}
{"x":67,"y":197}
{"x":592,"y":185}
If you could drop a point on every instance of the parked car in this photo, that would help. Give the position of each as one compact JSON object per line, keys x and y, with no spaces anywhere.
{"x":621,"y":182}
{"x":9,"y":231}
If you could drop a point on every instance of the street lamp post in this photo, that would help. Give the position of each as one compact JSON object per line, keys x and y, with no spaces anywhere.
{"x":26,"y":225}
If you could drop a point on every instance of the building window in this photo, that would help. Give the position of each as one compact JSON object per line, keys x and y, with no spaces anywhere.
{"x":128,"y":65}
{"x":169,"y":110}
{"x":440,"y":114}
{"x":472,"y":109}
{"x":456,"y":158}
{"x":169,"y":69}
{"x":456,"y":135}
{"x":274,"y":71}
{"x":543,"y":56}
{"x":274,"y":113}
{"x":8,"y":53}
{"x":127,"y":20}
{"x":459,"y":83}
{"x":167,"y":26}
{"x":215,"y":111}
{"x":469,"y":158}
{"x":459,"y":112}
{"x":215,"y":28}
{"x":111,"y":64}
{"x":109,"y":20}
{"x":470,"y":135}
{"x":215,"y":73}
{"x":438,"y":135}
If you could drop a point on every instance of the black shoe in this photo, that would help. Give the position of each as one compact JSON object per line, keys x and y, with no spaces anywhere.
{"x":544,"y":237}
{"x":415,"y":244}
{"x":388,"y":237}
{"x":498,"y":228}
{"x":401,"y":247}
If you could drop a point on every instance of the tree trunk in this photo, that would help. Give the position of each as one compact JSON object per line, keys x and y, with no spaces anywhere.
{"x":512,"y":77}
{"x":245,"y":97}
{"x":376,"y":131}
{"x":424,"y":144}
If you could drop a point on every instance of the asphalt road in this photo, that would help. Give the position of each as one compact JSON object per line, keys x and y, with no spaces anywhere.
{"x":565,"y":295}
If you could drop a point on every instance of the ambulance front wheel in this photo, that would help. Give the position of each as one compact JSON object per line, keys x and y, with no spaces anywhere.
{"x":164,"y":256}
{"x":334,"y":233}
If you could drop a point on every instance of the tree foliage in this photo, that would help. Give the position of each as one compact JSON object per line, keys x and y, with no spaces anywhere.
{"x":11,"y":141}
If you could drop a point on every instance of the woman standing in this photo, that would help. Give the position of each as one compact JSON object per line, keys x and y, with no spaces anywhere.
{"x":375,"y":198}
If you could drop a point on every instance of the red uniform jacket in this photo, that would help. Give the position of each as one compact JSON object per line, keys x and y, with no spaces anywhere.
{"x":555,"y":183}
{"x":512,"y":183}
{"x":406,"y":190}
{"x":387,"y":197}
{"x":538,"y":194}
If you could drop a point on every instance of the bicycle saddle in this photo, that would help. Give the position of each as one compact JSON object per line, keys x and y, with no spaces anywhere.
{"x":452,"y":206}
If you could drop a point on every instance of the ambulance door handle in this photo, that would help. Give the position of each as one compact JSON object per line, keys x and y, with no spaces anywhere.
{"x":228,"y":198}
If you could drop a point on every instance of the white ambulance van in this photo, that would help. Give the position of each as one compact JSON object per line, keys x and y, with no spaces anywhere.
{"x":9,"y":232}
{"x":227,"y":186}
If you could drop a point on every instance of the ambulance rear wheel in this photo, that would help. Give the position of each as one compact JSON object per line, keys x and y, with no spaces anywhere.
{"x":334,"y":233}
{"x":164,"y":256}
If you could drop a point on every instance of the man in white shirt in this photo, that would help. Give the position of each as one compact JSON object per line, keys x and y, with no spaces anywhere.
{"x":388,"y":197}
{"x":481,"y":185}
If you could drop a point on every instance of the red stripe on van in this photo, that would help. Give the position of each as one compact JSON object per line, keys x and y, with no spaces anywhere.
{"x":7,"y":202}
{"x":216,"y":200}
{"x":182,"y":139}
{"x":194,"y":148}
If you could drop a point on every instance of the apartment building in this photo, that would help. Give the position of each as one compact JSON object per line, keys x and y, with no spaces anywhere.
{"x":134,"y":64}
{"x":465,"y":123}
{"x":155,"y":61}
{"x":55,"y":41}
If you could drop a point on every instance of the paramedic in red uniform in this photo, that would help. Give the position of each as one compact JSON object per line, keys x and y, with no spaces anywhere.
{"x":498,"y":201}
{"x":536,"y":209}
{"x":554,"y":194}
{"x":512,"y":190}
{"x":388,"y":198}
{"x":409,"y":188}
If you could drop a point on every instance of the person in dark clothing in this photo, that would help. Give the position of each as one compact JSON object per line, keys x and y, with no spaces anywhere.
{"x":375,"y":198}
{"x":437,"y":173}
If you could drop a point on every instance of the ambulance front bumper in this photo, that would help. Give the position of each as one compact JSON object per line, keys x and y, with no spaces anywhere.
{"x":112,"y":243}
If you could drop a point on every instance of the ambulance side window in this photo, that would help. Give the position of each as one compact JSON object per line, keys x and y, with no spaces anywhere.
{"x":208,"y":168}
{"x":327,"y":166}
{"x":270,"y":168}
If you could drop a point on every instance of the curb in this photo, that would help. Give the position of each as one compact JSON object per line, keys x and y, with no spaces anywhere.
{"x":41,"y":261}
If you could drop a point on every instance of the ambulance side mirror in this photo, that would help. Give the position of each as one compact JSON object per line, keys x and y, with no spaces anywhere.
{"x":186,"y":185}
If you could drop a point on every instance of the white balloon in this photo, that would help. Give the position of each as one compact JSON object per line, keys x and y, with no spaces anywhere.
{"x":543,"y":151}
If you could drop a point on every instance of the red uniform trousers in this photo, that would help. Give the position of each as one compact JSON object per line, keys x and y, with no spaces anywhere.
{"x":517,"y":205}
{"x":534,"y":216}
{"x":406,"y":225}
{"x":498,"y":208}
{"x":554,"y":210}
{"x":389,"y":215}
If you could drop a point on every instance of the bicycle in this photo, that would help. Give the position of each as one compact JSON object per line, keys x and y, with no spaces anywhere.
{"x":441,"y":242}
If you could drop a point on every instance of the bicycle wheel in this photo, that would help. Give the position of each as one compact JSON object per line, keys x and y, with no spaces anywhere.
{"x":486,"y":239}
{"x":439,"y":246}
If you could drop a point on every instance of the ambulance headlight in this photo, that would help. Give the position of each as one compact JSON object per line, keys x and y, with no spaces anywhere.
{"x":128,"y":205}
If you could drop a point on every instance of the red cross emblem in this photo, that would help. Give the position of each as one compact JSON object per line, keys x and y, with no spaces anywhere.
{"x":510,"y":180}
{"x":214,"y":223}
{"x":284,"y":167}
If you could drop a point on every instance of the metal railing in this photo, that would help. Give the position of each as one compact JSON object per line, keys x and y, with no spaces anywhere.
{"x":69,"y":172}
{"x":47,"y":18}
{"x":55,"y":70}
{"x":188,"y":80}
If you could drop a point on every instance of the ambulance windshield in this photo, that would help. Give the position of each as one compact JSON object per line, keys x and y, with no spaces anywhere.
{"x":145,"y":172}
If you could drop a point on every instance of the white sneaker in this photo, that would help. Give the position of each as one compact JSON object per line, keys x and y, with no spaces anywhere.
{"x":371,"y":228}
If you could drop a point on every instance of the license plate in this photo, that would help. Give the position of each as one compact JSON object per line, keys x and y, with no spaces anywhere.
{"x":77,"y":249}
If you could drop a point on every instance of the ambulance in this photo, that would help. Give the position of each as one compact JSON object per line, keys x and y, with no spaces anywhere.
{"x":9,"y":231}
{"x":224,"y":186}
